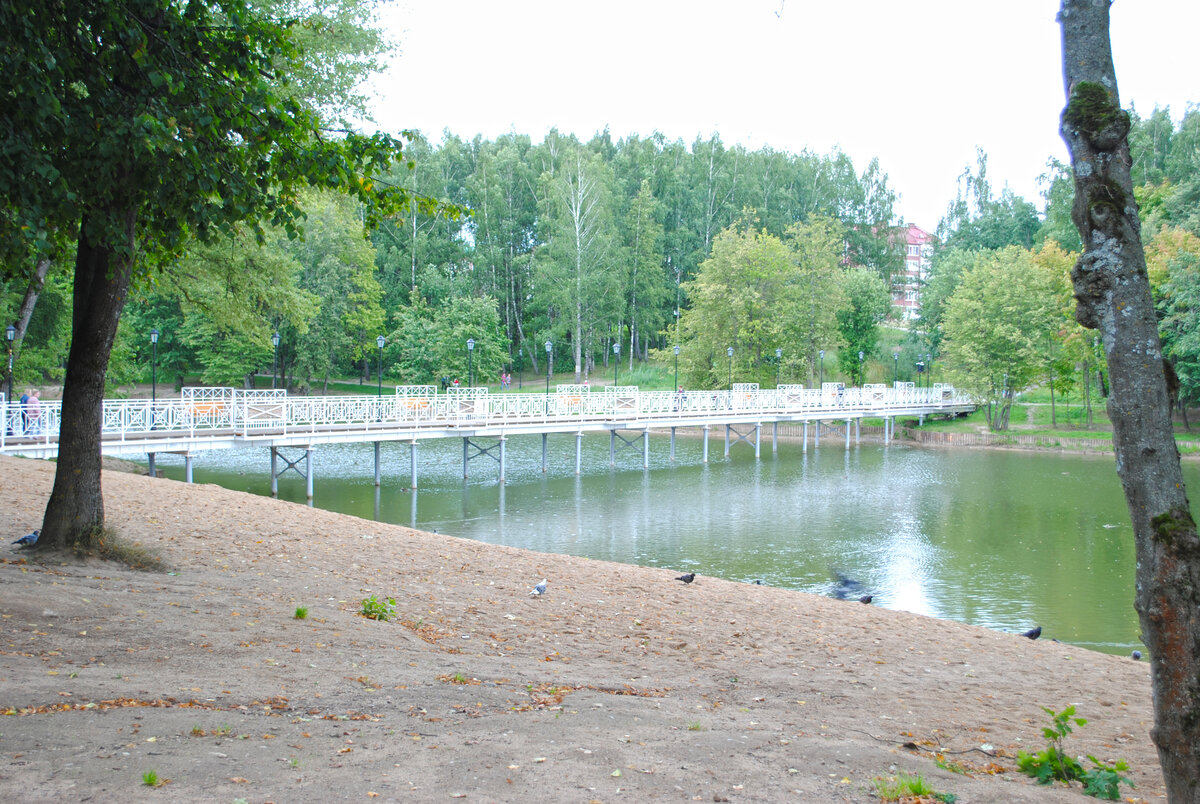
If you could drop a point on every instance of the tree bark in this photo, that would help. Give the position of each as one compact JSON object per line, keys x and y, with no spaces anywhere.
{"x":1113,"y":294}
{"x":75,"y":513}
{"x":29,"y":302}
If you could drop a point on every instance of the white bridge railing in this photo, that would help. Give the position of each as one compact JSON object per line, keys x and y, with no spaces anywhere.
{"x":226,"y":412}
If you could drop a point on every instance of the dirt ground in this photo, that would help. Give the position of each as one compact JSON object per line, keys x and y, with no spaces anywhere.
{"x":620,"y":684}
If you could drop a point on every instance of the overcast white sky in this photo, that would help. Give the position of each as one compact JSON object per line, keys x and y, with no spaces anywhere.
{"x":918,"y":84}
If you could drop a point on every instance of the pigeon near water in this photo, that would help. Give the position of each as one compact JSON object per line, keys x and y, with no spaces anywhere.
{"x":1033,"y":633}
{"x":866,"y":599}
{"x":691,"y":576}
{"x":539,"y":590}
{"x":28,"y":540}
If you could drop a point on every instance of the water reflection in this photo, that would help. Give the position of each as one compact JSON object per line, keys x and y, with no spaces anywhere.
{"x":1005,"y":540}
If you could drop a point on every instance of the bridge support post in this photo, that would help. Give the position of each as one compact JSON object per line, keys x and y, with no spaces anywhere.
{"x":187,"y":465}
{"x":706,"y":443}
{"x":578,"y":452}
{"x":774,"y":437}
{"x":274,"y":472}
{"x":308,"y":474}
{"x":847,"y":434}
{"x":672,"y":445}
{"x":817,"y":434}
{"x":857,"y":431}
{"x":466,"y":443}
{"x":757,"y":441}
{"x":544,"y":437}
{"x":503,"y":459}
{"x":727,"y":439}
{"x":804,"y":442}
{"x":412,"y":464}
{"x":612,"y":448}
{"x":151,"y":469}
{"x":377,"y":475}
{"x":646,"y":448}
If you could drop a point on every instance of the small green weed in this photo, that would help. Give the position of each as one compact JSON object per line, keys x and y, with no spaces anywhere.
{"x":374,"y":609}
{"x":197,"y":731}
{"x":301,"y":613}
{"x":903,"y":785}
{"x":150,"y":779}
{"x":1051,"y":764}
{"x":695,"y":727}
{"x":223,"y":729}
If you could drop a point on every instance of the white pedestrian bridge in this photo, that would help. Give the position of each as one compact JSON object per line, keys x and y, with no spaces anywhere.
{"x":228,"y":418}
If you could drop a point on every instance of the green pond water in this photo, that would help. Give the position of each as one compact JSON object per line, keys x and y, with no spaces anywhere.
{"x":1000,"y":539}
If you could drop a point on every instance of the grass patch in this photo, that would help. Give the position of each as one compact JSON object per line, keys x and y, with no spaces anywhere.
{"x":374,"y":609}
{"x":301,"y":613}
{"x":110,"y":546}
{"x":904,"y":786}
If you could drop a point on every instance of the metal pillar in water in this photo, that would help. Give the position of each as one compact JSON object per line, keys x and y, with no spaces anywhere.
{"x":612,"y":448}
{"x":817,"y":434}
{"x":466,"y":443}
{"x":645,"y":449}
{"x":412,"y":463}
{"x":544,"y":437}
{"x":847,"y":434}
{"x":150,"y":468}
{"x":757,"y":441}
{"x":804,"y":443}
{"x":308,"y":474}
{"x":727,"y":439}
{"x":578,"y":452}
{"x":706,"y":443}
{"x":187,"y":465}
{"x":672,"y":445}
{"x":503,"y":459}
{"x":774,"y":437}
{"x":274,"y":473}
{"x":857,"y":430}
{"x":377,"y":475}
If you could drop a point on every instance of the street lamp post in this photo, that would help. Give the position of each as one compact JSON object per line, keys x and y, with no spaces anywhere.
{"x":860,"y":367}
{"x":549,"y":350}
{"x":470,"y":353}
{"x":380,"y":342}
{"x":778,"y":360}
{"x":153,"y":373}
{"x":821,"y":354}
{"x":729,"y":352}
{"x":275,"y":360}
{"x":678,"y":384}
{"x":616,"y":362}
{"x":10,"y":332}
{"x":520,"y":366}
{"x":896,"y":367}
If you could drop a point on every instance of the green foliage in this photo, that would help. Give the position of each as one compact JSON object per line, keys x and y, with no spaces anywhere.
{"x":150,"y":778}
{"x":301,"y":613}
{"x":905,"y":785}
{"x":1052,"y":763}
{"x":375,"y":609}
{"x":867,"y":305}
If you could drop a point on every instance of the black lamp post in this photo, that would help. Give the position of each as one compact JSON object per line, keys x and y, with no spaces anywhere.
{"x":275,"y":361}
{"x":153,"y":373}
{"x":778,"y":360}
{"x":549,"y":349}
{"x":678,"y":384}
{"x":616,"y":362}
{"x":520,"y":366}
{"x":860,"y":367}
{"x":470,"y":353}
{"x":10,"y":332}
{"x":380,"y":342}
{"x":821,"y":354}
{"x":729,"y":352}
{"x":895,"y":368}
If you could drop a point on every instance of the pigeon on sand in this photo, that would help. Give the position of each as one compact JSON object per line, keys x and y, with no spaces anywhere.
{"x":691,"y":576}
{"x":28,"y":540}
{"x":539,"y":590}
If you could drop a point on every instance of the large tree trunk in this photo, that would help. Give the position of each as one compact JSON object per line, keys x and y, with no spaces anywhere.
{"x":1113,"y":292}
{"x":75,"y":514}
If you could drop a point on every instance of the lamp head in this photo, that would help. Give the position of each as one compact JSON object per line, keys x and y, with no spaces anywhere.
{"x":10,"y":332}
{"x":470,"y":344}
{"x":380,"y":341}
{"x":778,"y":354}
{"x":154,"y":335}
{"x":677,"y":351}
{"x":729,"y":351}
{"x":275,"y":338}
{"x":549,"y":347}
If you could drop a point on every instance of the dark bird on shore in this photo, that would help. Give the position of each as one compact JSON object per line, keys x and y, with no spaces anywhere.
{"x":28,"y":540}
{"x":1033,"y":633}
{"x":865,"y":599}
{"x":539,"y":590}
{"x":691,"y":576}
{"x":1136,"y":655}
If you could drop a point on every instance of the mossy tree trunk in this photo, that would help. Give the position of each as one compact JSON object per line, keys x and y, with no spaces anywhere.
{"x":1113,"y":294}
